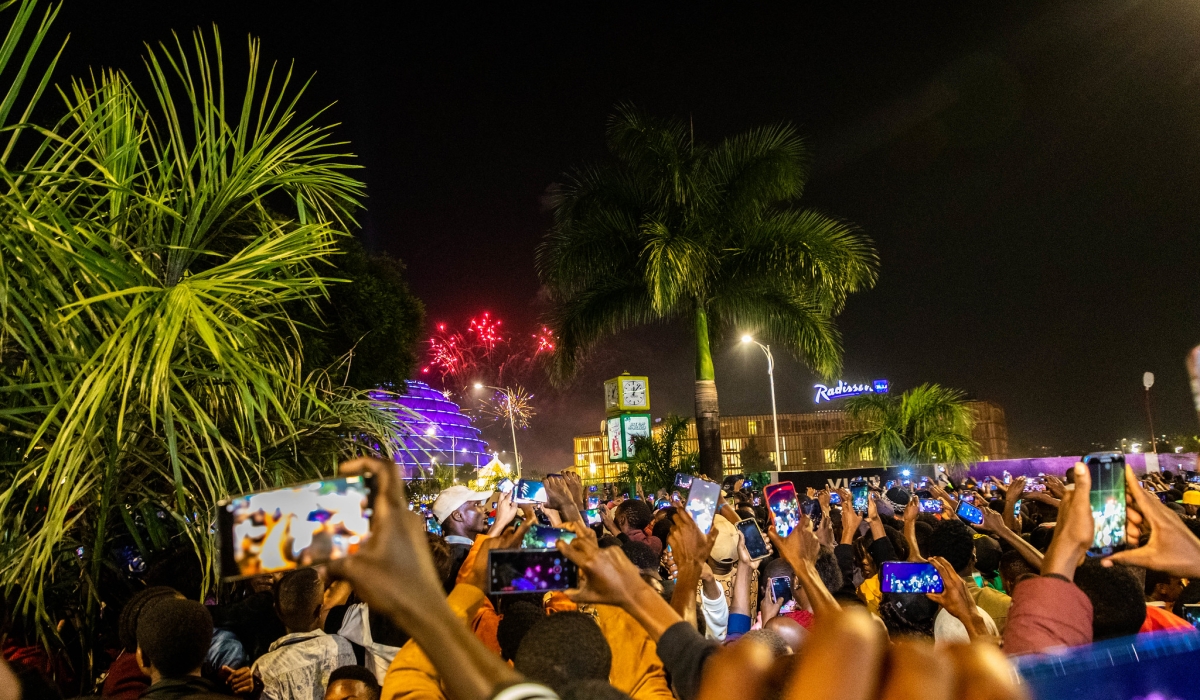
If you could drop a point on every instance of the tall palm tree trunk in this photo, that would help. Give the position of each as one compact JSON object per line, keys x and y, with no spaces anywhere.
{"x":708,"y":418}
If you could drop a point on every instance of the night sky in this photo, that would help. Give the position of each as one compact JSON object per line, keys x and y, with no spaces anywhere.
{"x":1028,"y":171}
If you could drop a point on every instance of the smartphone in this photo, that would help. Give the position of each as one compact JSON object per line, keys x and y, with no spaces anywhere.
{"x":295,"y":526}
{"x":662,"y":503}
{"x":891,"y":484}
{"x":835,"y":498}
{"x":969,"y":498}
{"x":1037,"y":483}
{"x":593,"y":502}
{"x":592,"y":488}
{"x":747,"y":484}
{"x":781,"y":588}
{"x":702,"y":503}
{"x":542,"y":537}
{"x":1007,"y":478}
{"x":592,"y":517}
{"x":432,"y":525}
{"x":1191,"y":613}
{"x":541,"y":517}
{"x":756,"y":545}
{"x":531,"y":491}
{"x":970,"y":513}
{"x":909,"y":577}
{"x":1194,"y":479}
{"x":505,"y":486}
{"x":781,"y":499}
{"x":683,"y":481}
{"x":1108,"y":501}
{"x":859,"y":495}
{"x":530,"y":571}
{"x":930,"y":505}
{"x":1017,"y":507}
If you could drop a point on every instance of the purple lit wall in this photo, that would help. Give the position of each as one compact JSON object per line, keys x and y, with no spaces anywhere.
{"x":432,"y":429}
{"x":1057,"y":466}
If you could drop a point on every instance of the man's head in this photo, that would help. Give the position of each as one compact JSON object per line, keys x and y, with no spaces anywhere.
{"x":562,"y":648}
{"x":461,"y":511}
{"x":173,"y":637}
{"x":633,"y":516}
{"x":644,"y":559}
{"x":987,"y":555}
{"x":352,"y":683}
{"x":791,"y":633}
{"x":127,"y":622}
{"x":298,"y":598}
{"x":1163,"y":587}
{"x":954,"y":542}
{"x":828,"y":569}
{"x":1118,"y":609}
{"x":518,"y":619}
{"x":1014,"y":569}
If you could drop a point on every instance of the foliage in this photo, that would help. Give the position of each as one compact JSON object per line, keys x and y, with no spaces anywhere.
{"x":372,"y":320}
{"x":658,"y":458}
{"x":676,"y":229}
{"x":753,"y":459}
{"x":928,"y":424}
{"x":151,"y":363}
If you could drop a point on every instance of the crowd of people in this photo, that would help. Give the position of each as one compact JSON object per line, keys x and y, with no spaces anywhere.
{"x":663,"y":611}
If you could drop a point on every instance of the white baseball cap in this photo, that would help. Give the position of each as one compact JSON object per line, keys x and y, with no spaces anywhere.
{"x":452,"y":499}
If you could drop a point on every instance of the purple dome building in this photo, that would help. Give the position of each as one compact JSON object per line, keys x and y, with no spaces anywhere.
{"x":433,"y":429}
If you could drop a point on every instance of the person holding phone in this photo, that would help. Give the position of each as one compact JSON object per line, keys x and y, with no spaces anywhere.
{"x":463,"y":517}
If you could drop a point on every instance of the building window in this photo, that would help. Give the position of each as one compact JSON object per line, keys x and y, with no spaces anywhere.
{"x":830,"y":456}
{"x":731,"y":445}
{"x":754,"y":427}
{"x":866,"y":454}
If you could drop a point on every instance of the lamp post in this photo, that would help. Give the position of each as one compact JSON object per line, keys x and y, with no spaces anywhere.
{"x":511,"y":422}
{"x":770,"y":373}
{"x":1148,"y":381}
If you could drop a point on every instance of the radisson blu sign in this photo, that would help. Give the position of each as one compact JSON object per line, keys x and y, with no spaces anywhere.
{"x":842,"y":390}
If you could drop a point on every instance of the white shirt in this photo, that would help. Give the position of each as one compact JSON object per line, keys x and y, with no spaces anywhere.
{"x":356,"y":627}
{"x":716,"y":614}
{"x":298,"y":665}
{"x":459,"y":539}
{"x":948,"y":629}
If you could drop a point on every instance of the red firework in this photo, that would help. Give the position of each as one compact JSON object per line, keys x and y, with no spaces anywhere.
{"x":483,"y":353}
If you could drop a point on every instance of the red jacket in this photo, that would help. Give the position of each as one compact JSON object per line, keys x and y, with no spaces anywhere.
{"x":1047,"y":612}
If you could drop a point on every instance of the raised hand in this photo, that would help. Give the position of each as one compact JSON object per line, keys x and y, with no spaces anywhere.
{"x":800,"y":550}
{"x":1074,"y":530}
{"x":689,"y":546}
{"x":1056,"y":487}
{"x":956,"y":599}
{"x":850,"y":519}
{"x":559,"y":497}
{"x":506,"y":511}
{"x":1172,"y":548}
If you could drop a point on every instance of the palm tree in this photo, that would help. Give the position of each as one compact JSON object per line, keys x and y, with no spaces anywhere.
{"x":149,"y":253}
{"x":676,"y":229}
{"x":928,"y":424}
{"x":658,"y":458}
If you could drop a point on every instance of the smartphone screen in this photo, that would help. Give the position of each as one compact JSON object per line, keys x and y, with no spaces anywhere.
{"x":747,"y":484}
{"x":781,"y":588}
{"x":593,"y":502}
{"x":292,"y":527}
{"x":542,"y":537}
{"x":891,"y":484}
{"x":859,"y":493}
{"x":505,"y":486}
{"x":531,"y":491}
{"x":1017,"y":507}
{"x":969,"y":498}
{"x":756,"y":545}
{"x":781,"y":499}
{"x":702,"y":503}
{"x":432,"y":525}
{"x":909,"y":577}
{"x":530,"y":571}
{"x":970,"y":513}
{"x":930,"y":505}
{"x":592,"y":517}
{"x":1191,"y":613}
{"x":835,"y":498}
{"x":1108,"y":501}
{"x":683,"y":481}
{"x":1194,"y":479}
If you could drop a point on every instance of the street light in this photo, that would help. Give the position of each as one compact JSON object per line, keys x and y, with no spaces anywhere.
{"x":511,"y":422}
{"x":770,"y":373}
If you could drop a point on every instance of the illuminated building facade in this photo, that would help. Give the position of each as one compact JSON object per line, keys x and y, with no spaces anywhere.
{"x":433,"y":430}
{"x":805,"y":441}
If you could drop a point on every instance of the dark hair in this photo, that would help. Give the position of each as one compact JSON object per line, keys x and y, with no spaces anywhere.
{"x":1013,"y":566}
{"x":127,"y":622}
{"x":1190,"y":596}
{"x":357,"y":673}
{"x":1041,"y":537}
{"x":442,"y":558}
{"x":662,"y":529}
{"x":954,"y":542}
{"x":987,"y":556}
{"x":899,"y":544}
{"x":636,"y":514}
{"x":922,"y":531}
{"x":518,"y":619}
{"x":592,"y":689}
{"x":828,"y":569}
{"x":298,"y":597}
{"x":1118,"y":608}
{"x":641,"y":555}
{"x":174,"y":635}
{"x":908,"y":614}
{"x":563,"y":648}
{"x":607,"y":541}
{"x":770,"y":639}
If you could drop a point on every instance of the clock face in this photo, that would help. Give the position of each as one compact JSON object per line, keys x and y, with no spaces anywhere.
{"x":633,"y":392}
{"x":610,"y":394}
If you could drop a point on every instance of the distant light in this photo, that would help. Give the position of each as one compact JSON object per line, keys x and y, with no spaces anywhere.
{"x":478,"y":385}
{"x":1136,"y":447}
{"x":430,"y":431}
{"x":747,"y":339}
{"x":1179,"y":449}
{"x":905,"y":472}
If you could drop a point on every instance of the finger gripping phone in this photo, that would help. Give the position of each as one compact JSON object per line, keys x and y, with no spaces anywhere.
{"x":909,"y":577}
{"x":781,"y":499}
{"x":1108,"y":502}
{"x":756,"y":545}
{"x":781,"y":588}
{"x":970,"y":513}
{"x":296,"y":526}
{"x":530,"y":571}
